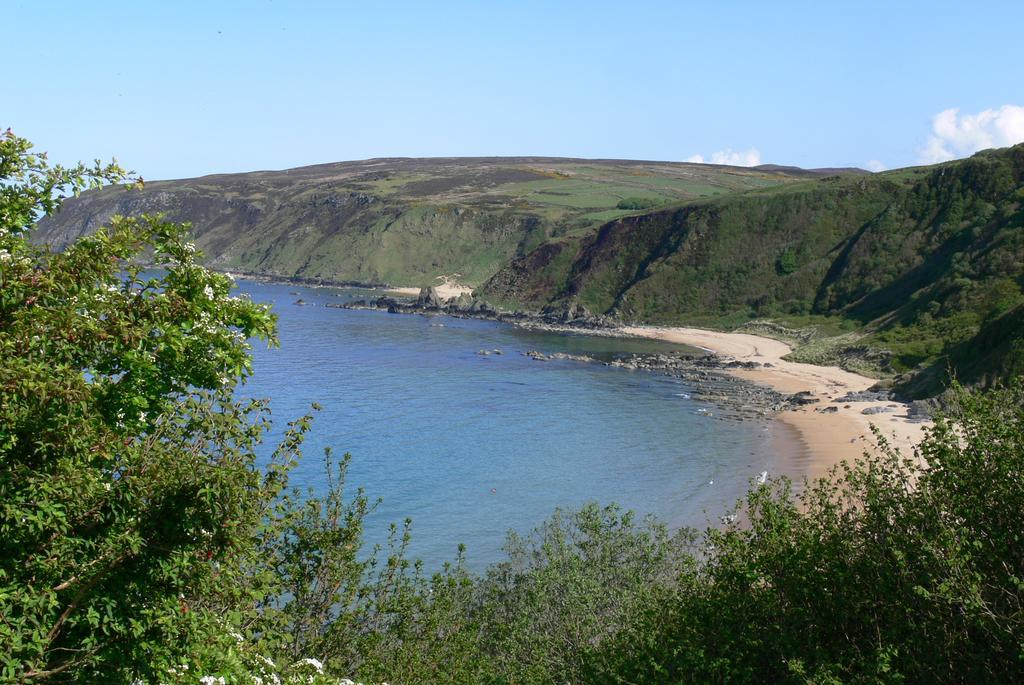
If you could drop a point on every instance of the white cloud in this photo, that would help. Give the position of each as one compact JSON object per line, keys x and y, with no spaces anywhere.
{"x":730,"y":157}
{"x":957,"y":135}
{"x":875,"y":165}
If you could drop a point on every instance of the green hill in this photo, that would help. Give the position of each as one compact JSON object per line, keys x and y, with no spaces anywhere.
{"x":404,"y":221}
{"x":905,"y":273}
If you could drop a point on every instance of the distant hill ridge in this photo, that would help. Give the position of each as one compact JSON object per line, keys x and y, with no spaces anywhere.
{"x":797,"y":171}
{"x":402,"y":220}
{"x":311,"y":170}
{"x":908,"y":273}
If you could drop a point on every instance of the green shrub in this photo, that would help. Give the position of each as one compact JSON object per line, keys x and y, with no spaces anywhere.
{"x":786,"y":263}
{"x":891,"y":570}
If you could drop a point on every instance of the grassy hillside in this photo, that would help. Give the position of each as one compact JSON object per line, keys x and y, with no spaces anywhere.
{"x":925,"y":265}
{"x":905,"y":274}
{"x":405,"y":221}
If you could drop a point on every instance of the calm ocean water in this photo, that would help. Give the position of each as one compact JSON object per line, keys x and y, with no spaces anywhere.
{"x":471,"y":446}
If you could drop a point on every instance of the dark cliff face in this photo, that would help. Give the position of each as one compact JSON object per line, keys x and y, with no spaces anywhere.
{"x":533,"y":277}
{"x":717,"y":256}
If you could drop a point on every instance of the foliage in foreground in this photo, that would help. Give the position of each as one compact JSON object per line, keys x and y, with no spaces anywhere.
{"x":889,"y":571}
{"x":893,"y":569}
{"x":140,"y":541}
{"x":126,"y":483}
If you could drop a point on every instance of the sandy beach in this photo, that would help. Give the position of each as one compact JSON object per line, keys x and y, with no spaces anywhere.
{"x":829,"y":437}
{"x":446,"y":289}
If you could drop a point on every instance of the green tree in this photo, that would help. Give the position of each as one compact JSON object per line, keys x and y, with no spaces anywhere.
{"x":127,"y":479}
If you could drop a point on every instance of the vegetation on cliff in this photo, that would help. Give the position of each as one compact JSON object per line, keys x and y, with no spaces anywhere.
{"x":909,"y":273}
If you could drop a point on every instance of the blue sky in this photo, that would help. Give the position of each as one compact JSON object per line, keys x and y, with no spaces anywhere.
{"x":189,"y":88}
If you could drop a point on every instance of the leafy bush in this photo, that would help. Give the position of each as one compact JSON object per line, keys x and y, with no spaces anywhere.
{"x":569,"y":587}
{"x":138,"y":539}
{"x":126,"y":471}
{"x":893,"y":570}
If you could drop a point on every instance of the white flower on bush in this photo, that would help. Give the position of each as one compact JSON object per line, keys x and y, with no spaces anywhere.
{"x":176,"y":670}
{"x":316,"y":664}
{"x":213,"y":680}
{"x":307,"y":671}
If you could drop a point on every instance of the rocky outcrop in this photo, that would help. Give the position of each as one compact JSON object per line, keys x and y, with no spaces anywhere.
{"x":708,"y":376}
{"x":463,"y":302}
{"x":922,"y":410}
{"x":570,"y":316}
{"x":428,"y":297}
{"x":866,"y":396}
{"x":802,"y":398}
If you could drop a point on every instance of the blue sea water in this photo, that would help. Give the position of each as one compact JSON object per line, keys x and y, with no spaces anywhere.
{"x":471,"y":446}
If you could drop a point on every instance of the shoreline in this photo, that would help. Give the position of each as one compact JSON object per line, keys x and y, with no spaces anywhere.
{"x":826,"y":438}
{"x":829,"y":427}
{"x":448,"y":288}
{"x":842,"y":432}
